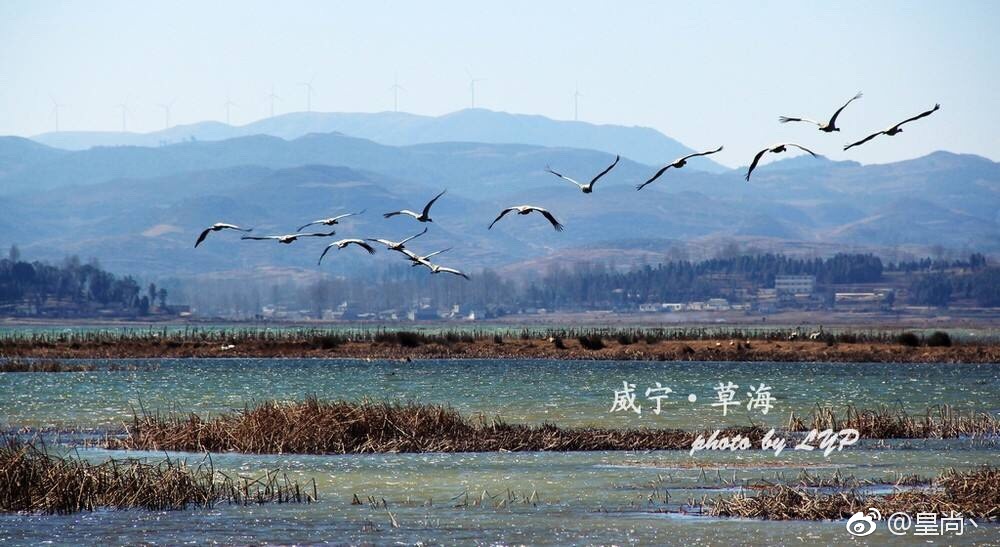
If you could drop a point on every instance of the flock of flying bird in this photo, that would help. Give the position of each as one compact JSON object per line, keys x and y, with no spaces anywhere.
{"x":424,"y":215}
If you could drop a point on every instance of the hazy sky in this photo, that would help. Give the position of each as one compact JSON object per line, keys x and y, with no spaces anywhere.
{"x":703,"y":73}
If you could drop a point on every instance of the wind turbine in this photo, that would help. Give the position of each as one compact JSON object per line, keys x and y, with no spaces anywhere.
{"x":271,"y":96}
{"x":396,"y":88}
{"x":229,"y":103}
{"x":124,"y":108}
{"x":576,"y":105}
{"x":472,"y":86}
{"x":309,"y":92}
{"x":166,"y":112}
{"x":56,"y":105}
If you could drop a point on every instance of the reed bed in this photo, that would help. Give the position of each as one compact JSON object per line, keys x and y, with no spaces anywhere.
{"x":974,"y":494}
{"x":332,"y":337}
{"x":33,"y":481}
{"x":316,"y":427}
{"x":939,"y":422}
{"x":629,"y":343}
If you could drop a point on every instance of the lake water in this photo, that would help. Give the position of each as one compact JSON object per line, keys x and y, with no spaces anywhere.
{"x":592,"y":497}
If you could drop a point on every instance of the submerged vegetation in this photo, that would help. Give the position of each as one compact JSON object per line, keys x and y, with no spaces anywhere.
{"x":34,"y":481}
{"x":317,"y":427}
{"x":974,"y":494}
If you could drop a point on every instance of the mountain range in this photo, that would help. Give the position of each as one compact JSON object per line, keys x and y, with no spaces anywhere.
{"x":479,"y":125}
{"x":139,"y":209}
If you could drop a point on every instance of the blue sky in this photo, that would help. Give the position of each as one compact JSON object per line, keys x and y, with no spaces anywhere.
{"x":706,"y":73}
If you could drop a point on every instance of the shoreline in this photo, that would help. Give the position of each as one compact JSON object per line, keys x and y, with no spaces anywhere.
{"x":509,"y":348}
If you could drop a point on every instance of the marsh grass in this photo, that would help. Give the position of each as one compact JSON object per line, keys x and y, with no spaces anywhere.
{"x":334,"y":337}
{"x":974,"y":493}
{"x":34,"y":481}
{"x":317,"y":427}
{"x":940,"y":422}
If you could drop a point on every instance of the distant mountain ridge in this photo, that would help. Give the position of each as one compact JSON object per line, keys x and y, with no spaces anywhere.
{"x":139,"y":209}
{"x":642,"y":144}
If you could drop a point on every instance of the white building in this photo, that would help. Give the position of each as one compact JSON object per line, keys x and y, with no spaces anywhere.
{"x":794,"y":284}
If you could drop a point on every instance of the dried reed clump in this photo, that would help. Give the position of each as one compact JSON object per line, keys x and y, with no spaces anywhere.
{"x":783,"y":502}
{"x":940,"y":422}
{"x":316,"y":427}
{"x":33,"y":481}
{"x":974,"y":494}
{"x":592,"y":341}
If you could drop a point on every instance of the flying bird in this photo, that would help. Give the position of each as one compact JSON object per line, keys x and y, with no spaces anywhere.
{"x":424,"y":216}
{"x":589,"y":187}
{"x":397,"y":245}
{"x":898,"y":128}
{"x":436,"y":269}
{"x":677,"y":164}
{"x":217,"y":227}
{"x":776,"y":149}
{"x":344,"y":243}
{"x":289,"y":238}
{"x":827,"y":127}
{"x":527,"y":209}
{"x":329,"y":221}
{"x":418,"y":260}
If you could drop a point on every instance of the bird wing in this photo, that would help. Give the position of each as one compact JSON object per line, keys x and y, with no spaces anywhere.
{"x":402,"y":212}
{"x":864,"y":140}
{"x":413,"y":236}
{"x":918,"y":116}
{"x":315,"y":234}
{"x":328,"y":247}
{"x":564,"y":177}
{"x":427,"y":208}
{"x":705,"y":153}
{"x":261,"y":238}
{"x":304,"y":226}
{"x":786,"y":119}
{"x":800,"y":147}
{"x":412,"y":255}
{"x":833,"y":119}
{"x":501,"y":215}
{"x":345,"y":215}
{"x":362,"y":244}
{"x":435,"y":253}
{"x":756,"y":159}
{"x":451,"y":271}
{"x":385,"y":242}
{"x":202,"y":237}
{"x":656,"y":176}
{"x":551,"y":218}
{"x":605,"y":172}
{"x":233,"y":227}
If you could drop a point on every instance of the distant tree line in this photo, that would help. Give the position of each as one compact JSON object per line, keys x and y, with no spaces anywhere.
{"x":976,"y":261}
{"x":682,"y":281}
{"x":70,"y":284}
{"x":583,"y":286}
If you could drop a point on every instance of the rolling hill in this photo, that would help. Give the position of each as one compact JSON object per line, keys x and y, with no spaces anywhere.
{"x":139,"y":209}
{"x":642,"y":144}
